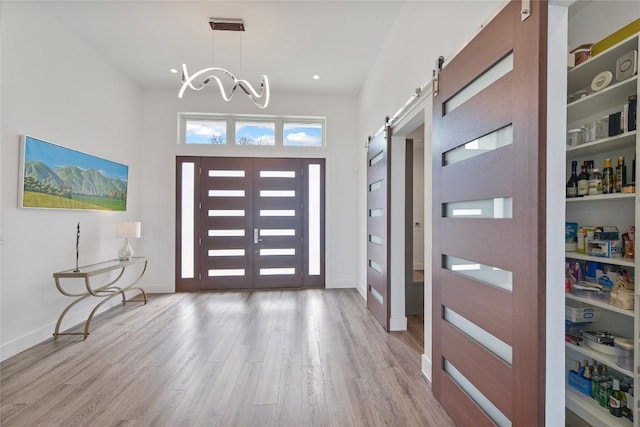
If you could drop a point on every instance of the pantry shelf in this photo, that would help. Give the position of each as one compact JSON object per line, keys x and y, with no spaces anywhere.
{"x":624,"y":262}
{"x":603,"y":358}
{"x":602,"y":197}
{"x":600,"y":304}
{"x":589,"y":410}
{"x":604,"y":145}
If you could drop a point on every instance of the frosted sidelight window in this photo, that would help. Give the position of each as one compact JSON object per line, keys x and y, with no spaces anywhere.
{"x":187,"y":227}
{"x":314,"y":220}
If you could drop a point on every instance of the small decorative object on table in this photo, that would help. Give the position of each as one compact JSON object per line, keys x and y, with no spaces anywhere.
{"x":127,"y":230}
{"x":77,"y":247}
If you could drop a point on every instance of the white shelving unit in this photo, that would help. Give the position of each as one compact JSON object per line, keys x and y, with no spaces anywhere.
{"x":620,"y":209}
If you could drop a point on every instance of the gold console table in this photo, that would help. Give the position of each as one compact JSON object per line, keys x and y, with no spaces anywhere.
{"x":106,"y":291}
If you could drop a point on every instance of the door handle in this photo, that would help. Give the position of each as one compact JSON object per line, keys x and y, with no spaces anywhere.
{"x":256,"y":234}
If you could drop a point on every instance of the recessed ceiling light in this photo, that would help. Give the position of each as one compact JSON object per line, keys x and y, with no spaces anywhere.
{"x":316,"y":77}
{"x":174,"y":71}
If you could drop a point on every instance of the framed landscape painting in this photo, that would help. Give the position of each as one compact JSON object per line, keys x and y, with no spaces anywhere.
{"x":56,"y":177}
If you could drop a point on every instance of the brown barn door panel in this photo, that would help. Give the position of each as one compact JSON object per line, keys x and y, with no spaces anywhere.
{"x":378,"y":226}
{"x":489,"y":144}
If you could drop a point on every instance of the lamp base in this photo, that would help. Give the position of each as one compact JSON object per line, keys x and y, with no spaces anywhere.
{"x":126,"y":252}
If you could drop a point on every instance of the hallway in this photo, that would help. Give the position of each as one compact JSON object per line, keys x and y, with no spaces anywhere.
{"x":272,"y":358}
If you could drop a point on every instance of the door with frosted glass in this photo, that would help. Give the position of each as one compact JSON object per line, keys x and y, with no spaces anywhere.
{"x":489,"y":122}
{"x":252,"y":223}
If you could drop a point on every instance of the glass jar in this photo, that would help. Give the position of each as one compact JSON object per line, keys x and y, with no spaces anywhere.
{"x":574,"y":137}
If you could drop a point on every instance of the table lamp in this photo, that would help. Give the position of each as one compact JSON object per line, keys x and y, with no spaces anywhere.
{"x":127,"y":230}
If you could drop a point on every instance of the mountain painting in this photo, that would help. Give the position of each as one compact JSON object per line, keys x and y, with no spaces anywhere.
{"x":60,"y":178}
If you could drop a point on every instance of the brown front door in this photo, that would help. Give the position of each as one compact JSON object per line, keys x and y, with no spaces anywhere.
{"x":488,"y":229}
{"x":258,"y":202}
{"x":378,"y":226}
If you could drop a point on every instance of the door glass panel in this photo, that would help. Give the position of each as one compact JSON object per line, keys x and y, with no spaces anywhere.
{"x":277,"y":212}
{"x":375,"y":239}
{"x":477,"y":396}
{"x":215,"y":173}
{"x":376,"y":212}
{"x":314,"y":220}
{"x":488,"y":208}
{"x":277,"y":271}
{"x":187,"y":261}
{"x":494,"y":276}
{"x":272,"y":252}
{"x":277,"y":174}
{"x":277,"y":232}
{"x":226,"y":193}
{"x":277,"y":193}
{"x":226,"y":212}
{"x":482,"y":337}
{"x":375,"y":266}
{"x":376,"y":185}
{"x":375,"y":159}
{"x":492,"y":141}
{"x":226,"y":272}
{"x":377,"y":295}
{"x":226,"y":252}
{"x":483,"y":81}
{"x":226,"y":233}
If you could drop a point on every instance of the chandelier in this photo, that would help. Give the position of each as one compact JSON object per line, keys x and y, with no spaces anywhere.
{"x":200,"y":79}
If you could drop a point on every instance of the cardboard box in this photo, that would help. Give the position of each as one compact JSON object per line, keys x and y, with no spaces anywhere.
{"x":606,"y":232}
{"x":605,"y":248}
{"x":615,"y":38}
{"x":585,"y":233}
{"x":581,"y":314}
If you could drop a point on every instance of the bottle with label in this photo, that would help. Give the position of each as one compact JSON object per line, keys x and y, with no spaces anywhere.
{"x":607,"y":178}
{"x":615,"y":399}
{"x":621,"y":175}
{"x":572,"y":184}
{"x":583,"y":181}
{"x":595,"y":183}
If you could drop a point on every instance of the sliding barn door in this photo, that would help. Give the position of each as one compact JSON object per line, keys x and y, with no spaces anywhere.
{"x":378,"y":226}
{"x":489,"y":127}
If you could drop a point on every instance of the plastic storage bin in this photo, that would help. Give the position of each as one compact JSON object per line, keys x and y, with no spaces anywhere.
{"x":624,"y":352}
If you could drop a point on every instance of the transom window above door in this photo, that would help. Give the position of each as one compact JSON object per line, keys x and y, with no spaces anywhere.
{"x":243,"y":130}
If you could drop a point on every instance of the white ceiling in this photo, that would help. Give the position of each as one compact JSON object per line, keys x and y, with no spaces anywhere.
{"x":289,"y":41}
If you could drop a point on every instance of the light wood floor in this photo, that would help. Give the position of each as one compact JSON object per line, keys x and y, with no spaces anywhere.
{"x":280,"y":358}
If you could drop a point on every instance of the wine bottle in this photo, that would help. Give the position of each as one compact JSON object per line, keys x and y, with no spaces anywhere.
{"x":621,"y":175}
{"x":572,"y":184}
{"x":607,"y":177}
{"x":583,"y":181}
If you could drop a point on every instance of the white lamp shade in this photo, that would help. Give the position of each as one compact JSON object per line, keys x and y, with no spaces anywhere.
{"x":128,"y":229}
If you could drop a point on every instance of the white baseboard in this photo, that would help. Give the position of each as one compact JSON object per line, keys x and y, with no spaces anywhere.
{"x":426,"y":367}
{"x":43,"y":333}
{"x":398,"y":324}
{"x":340,"y":284}
{"x":159,"y":288}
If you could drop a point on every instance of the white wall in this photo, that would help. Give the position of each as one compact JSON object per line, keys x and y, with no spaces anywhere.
{"x":160,"y":148}
{"x":591,"y":21}
{"x":405,"y":63}
{"x":56,"y":88}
